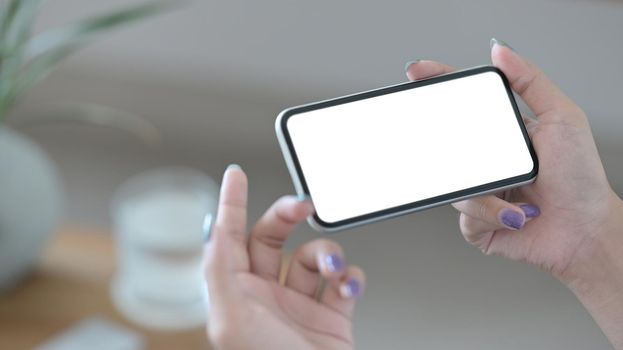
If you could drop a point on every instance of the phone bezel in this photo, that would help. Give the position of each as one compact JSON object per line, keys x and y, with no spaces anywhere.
{"x":300,"y":183}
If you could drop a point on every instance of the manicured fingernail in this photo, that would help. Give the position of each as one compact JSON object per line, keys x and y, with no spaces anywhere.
{"x":495,"y":41}
{"x":334,"y":263}
{"x":530,"y":210}
{"x":305,"y":199}
{"x":350,"y":289}
{"x":408,"y":64}
{"x":233,"y":166}
{"x":206,"y":227}
{"x":511,"y":219}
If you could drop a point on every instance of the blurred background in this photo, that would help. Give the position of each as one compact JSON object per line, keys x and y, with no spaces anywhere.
{"x":213,"y":75}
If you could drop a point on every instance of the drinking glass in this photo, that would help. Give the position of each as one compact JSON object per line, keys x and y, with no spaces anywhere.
{"x":160,"y":218}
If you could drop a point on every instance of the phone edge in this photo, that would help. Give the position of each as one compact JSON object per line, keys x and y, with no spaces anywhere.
{"x":300,"y":191}
{"x":311,"y":220}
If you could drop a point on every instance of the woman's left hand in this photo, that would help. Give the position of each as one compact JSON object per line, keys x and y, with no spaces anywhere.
{"x":250,"y":308}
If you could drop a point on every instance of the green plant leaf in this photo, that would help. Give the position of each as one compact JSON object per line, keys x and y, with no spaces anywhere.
{"x":98,"y":115}
{"x":81,"y":32}
{"x":46,"y":50}
{"x":16,"y":24}
{"x":17,"y":17}
{"x":7,"y":11}
{"x":39,"y":68}
{"x":25,"y":64}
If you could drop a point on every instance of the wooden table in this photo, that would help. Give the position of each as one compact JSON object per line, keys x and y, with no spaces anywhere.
{"x":69,"y":284}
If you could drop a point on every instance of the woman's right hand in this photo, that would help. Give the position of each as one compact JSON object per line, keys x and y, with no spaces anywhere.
{"x":252,"y":307}
{"x":569,"y":221}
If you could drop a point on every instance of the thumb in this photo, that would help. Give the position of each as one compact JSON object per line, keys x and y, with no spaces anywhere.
{"x":545,"y":99}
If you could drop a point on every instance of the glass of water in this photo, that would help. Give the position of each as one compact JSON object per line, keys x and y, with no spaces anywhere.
{"x":160,"y":218}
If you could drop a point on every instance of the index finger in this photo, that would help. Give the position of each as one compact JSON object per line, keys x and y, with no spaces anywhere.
{"x":271,"y":232}
{"x":231,"y":217}
{"x":226,"y":252}
{"x":493,"y":210}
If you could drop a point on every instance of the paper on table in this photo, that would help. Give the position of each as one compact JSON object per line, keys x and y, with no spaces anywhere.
{"x":95,"y":334}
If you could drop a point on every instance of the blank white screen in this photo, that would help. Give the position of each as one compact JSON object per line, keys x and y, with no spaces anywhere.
{"x":382,"y":152}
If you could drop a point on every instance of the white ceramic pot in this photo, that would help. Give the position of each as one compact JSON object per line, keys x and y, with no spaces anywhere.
{"x":31,"y":201}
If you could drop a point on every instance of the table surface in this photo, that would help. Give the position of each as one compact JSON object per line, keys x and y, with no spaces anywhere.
{"x":61,"y":292}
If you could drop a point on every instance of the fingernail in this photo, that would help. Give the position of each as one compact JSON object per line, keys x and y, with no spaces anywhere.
{"x":495,"y":41}
{"x":334,"y":263}
{"x":408,"y":64}
{"x":206,"y":227}
{"x":511,"y":219}
{"x":350,"y":289}
{"x":233,"y":166}
{"x":304,"y":198}
{"x":530,"y":210}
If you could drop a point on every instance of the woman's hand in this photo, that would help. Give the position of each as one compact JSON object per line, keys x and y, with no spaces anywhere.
{"x":250,"y":308}
{"x":571,"y":195}
{"x":569,"y":221}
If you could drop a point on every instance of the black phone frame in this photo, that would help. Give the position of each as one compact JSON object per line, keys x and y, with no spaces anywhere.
{"x":424,"y":203}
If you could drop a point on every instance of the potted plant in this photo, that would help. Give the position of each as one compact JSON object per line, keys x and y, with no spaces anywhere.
{"x":30,"y":188}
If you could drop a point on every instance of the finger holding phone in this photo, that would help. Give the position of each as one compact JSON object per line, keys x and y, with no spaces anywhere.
{"x":252,"y":307}
{"x":569,"y":221}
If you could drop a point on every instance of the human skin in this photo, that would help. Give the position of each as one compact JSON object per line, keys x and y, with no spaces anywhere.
{"x":250,"y":308}
{"x":569,"y":222}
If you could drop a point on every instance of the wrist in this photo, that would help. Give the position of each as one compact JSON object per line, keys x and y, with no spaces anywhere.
{"x":601,"y":256}
{"x":595,"y":275}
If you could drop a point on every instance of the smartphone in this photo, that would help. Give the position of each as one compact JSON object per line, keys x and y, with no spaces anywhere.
{"x":408,"y":147}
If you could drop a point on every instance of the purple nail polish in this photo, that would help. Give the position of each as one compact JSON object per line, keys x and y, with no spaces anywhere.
{"x":511,"y":219}
{"x":334,"y":263}
{"x":531,"y":211}
{"x":351,"y":289}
